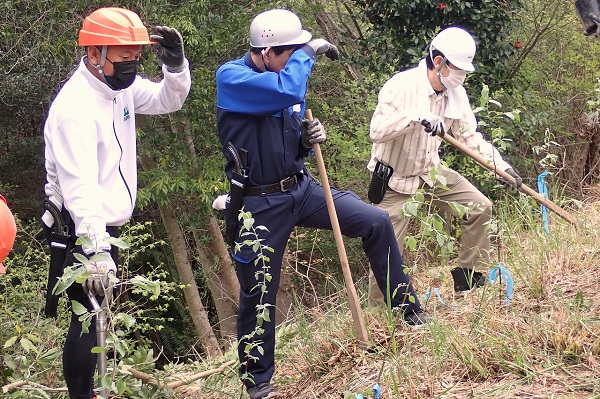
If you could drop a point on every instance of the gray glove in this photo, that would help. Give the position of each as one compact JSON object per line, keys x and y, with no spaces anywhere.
{"x":312,"y":132}
{"x":322,"y":46}
{"x":518,"y":180}
{"x":169,"y":48}
{"x":433,"y":124}
{"x":100,"y":266}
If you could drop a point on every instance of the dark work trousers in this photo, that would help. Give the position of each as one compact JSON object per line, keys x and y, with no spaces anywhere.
{"x":79,"y":363}
{"x":305,"y":206}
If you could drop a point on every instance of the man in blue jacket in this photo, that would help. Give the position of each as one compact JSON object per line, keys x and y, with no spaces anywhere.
{"x":260,"y":108}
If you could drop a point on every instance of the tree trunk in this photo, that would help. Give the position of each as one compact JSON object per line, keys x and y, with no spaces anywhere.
{"x":332,"y":32}
{"x":285,"y":297}
{"x":192,"y":297}
{"x":195,"y":307}
{"x":220,"y":277}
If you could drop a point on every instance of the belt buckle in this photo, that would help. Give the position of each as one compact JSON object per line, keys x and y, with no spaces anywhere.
{"x":284,"y":181}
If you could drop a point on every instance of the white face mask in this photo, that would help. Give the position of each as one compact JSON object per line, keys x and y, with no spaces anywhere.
{"x":455,"y":78}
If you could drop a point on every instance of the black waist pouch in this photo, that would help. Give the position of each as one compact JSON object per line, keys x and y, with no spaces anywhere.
{"x":379,"y":182}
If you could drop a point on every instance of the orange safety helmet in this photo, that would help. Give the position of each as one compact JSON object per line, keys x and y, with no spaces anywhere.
{"x":8,"y":231}
{"x":113,"y":26}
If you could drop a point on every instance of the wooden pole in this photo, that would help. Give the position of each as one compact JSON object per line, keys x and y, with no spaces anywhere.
{"x":359,"y":326}
{"x":541,"y":199}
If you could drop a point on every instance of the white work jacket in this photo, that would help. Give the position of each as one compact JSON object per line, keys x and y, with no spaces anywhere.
{"x":90,"y":139}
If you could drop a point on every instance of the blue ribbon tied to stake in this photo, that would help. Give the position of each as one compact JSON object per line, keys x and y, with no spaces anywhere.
{"x":543,"y":189}
{"x":376,"y":392}
{"x":497,"y":271}
{"x":500,"y":271}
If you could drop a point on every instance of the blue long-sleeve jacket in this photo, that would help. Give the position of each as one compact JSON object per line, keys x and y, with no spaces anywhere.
{"x":262,"y":112}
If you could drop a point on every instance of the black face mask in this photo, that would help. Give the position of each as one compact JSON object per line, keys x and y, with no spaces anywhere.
{"x":124,"y":74}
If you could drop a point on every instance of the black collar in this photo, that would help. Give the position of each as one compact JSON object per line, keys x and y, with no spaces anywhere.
{"x":250,"y":62}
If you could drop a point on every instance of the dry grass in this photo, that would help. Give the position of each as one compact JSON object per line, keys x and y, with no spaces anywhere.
{"x":546,"y":345}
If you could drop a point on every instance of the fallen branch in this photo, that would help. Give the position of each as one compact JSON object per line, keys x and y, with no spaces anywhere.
{"x":148,"y":379}
{"x":13,"y":385}
{"x":203,"y":374}
{"x":18,"y":384}
{"x":140,"y":375}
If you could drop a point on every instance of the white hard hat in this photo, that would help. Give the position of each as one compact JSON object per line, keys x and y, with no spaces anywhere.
{"x":457,"y":45}
{"x":277,"y":28}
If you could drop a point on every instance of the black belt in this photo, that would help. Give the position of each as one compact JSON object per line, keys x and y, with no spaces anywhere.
{"x":285,"y":185}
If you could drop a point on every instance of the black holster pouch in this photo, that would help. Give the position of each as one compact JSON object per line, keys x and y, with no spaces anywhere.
{"x":236,"y":192}
{"x":379,"y":182}
{"x":61,"y":241}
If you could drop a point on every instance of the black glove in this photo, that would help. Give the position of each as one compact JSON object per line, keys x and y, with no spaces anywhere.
{"x":169,"y":48}
{"x":322,"y":46}
{"x":434,"y":124}
{"x":312,"y":132}
{"x":518,"y":180}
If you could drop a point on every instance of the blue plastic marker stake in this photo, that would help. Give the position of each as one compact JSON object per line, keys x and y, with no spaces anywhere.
{"x":501,"y":271}
{"x":359,"y":396}
{"x":436,"y":291}
{"x":376,"y":391}
{"x":543,"y":189}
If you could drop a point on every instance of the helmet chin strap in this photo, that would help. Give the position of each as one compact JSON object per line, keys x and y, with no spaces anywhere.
{"x":262,"y":55}
{"x":100,"y":67}
{"x":439,"y":73}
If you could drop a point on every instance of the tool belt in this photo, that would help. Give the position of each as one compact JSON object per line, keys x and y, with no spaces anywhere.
{"x":61,"y":239}
{"x":281,"y":187}
{"x":379,"y":182}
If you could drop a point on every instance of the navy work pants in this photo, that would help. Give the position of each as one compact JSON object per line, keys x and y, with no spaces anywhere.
{"x":305,"y":206}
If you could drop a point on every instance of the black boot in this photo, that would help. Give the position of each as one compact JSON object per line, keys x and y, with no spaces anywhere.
{"x":466,"y":279}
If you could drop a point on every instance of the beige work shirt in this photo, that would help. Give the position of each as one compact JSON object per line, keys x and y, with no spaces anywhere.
{"x":399,"y":139}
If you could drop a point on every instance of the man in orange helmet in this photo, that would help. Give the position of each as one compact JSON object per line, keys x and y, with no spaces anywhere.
{"x":8,"y":232}
{"x":90,"y":153}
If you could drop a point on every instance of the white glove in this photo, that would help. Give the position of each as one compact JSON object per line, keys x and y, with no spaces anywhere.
{"x":220,"y":203}
{"x":322,"y":46}
{"x":433,"y":124}
{"x":100,"y":267}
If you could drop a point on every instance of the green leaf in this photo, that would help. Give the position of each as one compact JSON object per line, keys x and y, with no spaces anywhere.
{"x":84,"y":240}
{"x":78,"y":308}
{"x":27,"y":345}
{"x":419,"y":197}
{"x":411,"y":242}
{"x":33,"y":338}
{"x":10,"y":342}
{"x":411,"y":208}
{"x":98,"y":349}
{"x":85,"y":326}
{"x":70,"y":275}
{"x":81,"y":258}
{"x":248,"y":223}
{"x":459,"y":209}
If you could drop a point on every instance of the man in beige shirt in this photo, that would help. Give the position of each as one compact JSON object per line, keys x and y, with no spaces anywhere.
{"x":415,"y":109}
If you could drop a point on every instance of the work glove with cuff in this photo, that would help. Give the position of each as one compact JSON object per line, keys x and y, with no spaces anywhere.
{"x":322,"y":46}
{"x":100,"y":266}
{"x":518,"y":180}
{"x":313,"y":132}
{"x":169,"y":48}
{"x":433,"y":124}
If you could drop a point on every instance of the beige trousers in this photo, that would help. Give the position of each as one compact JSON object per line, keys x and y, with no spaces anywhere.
{"x":474,"y":241}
